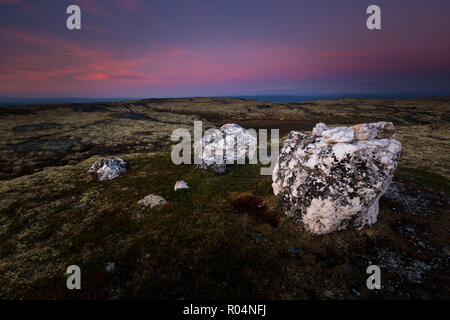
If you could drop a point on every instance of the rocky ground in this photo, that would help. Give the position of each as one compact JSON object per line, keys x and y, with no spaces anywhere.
{"x":226,"y":236}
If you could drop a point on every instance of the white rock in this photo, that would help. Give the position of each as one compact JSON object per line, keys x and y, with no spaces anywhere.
{"x":109,"y":168}
{"x":227,"y":145}
{"x":330,"y":185}
{"x":340,"y":134}
{"x":370,"y":131}
{"x":180,"y":185}
{"x":152,"y":201}
{"x":365,"y":132}
{"x":319,"y":128}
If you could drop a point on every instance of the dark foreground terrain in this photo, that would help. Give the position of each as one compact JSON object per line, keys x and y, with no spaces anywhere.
{"x":225,"y":237}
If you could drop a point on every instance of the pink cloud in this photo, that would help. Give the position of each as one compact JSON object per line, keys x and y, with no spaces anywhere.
{"x":92,"y":76}
{"x":40,"y":62}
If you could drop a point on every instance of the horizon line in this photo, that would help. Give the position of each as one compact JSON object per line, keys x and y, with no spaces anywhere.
{"x":23,"y":101}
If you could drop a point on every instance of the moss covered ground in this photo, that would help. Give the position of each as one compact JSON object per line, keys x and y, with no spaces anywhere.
{"x":223,"y":238}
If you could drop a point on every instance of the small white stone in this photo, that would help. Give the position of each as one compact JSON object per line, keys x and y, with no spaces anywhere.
{"x":152,"y":201}
{"x":180,"y":185}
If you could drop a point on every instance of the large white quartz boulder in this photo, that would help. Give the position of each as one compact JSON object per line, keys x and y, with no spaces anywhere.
{"x":227,"y":145}
{"x":333,"y":180}
{"x":109,"y":168}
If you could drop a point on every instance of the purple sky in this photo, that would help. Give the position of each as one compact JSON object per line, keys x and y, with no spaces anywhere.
{"x":137,"y":48}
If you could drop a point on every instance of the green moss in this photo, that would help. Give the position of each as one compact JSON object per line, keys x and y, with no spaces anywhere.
{"x":199,"y":245}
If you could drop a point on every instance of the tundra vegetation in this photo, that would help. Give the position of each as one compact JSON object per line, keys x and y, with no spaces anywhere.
{"x":225,"y":236}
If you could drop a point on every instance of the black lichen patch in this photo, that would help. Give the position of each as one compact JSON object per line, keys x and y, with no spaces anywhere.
{"x":415,"y":233}
{"x":414,"y":199}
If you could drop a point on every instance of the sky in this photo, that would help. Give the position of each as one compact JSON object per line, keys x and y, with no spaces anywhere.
{"x":144,"y":48}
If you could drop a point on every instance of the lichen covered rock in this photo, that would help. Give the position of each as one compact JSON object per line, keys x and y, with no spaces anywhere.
{"x":229,"y":144}
{"x":152,"y":201}
{"x":108,"y":168}
{"x":333,"y":180}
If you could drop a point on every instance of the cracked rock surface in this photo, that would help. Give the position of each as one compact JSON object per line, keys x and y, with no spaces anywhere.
{"x":333,"y":180}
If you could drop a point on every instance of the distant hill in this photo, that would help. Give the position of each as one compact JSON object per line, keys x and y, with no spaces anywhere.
{"x":24,"y":101}
{"x":311,"y":97}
